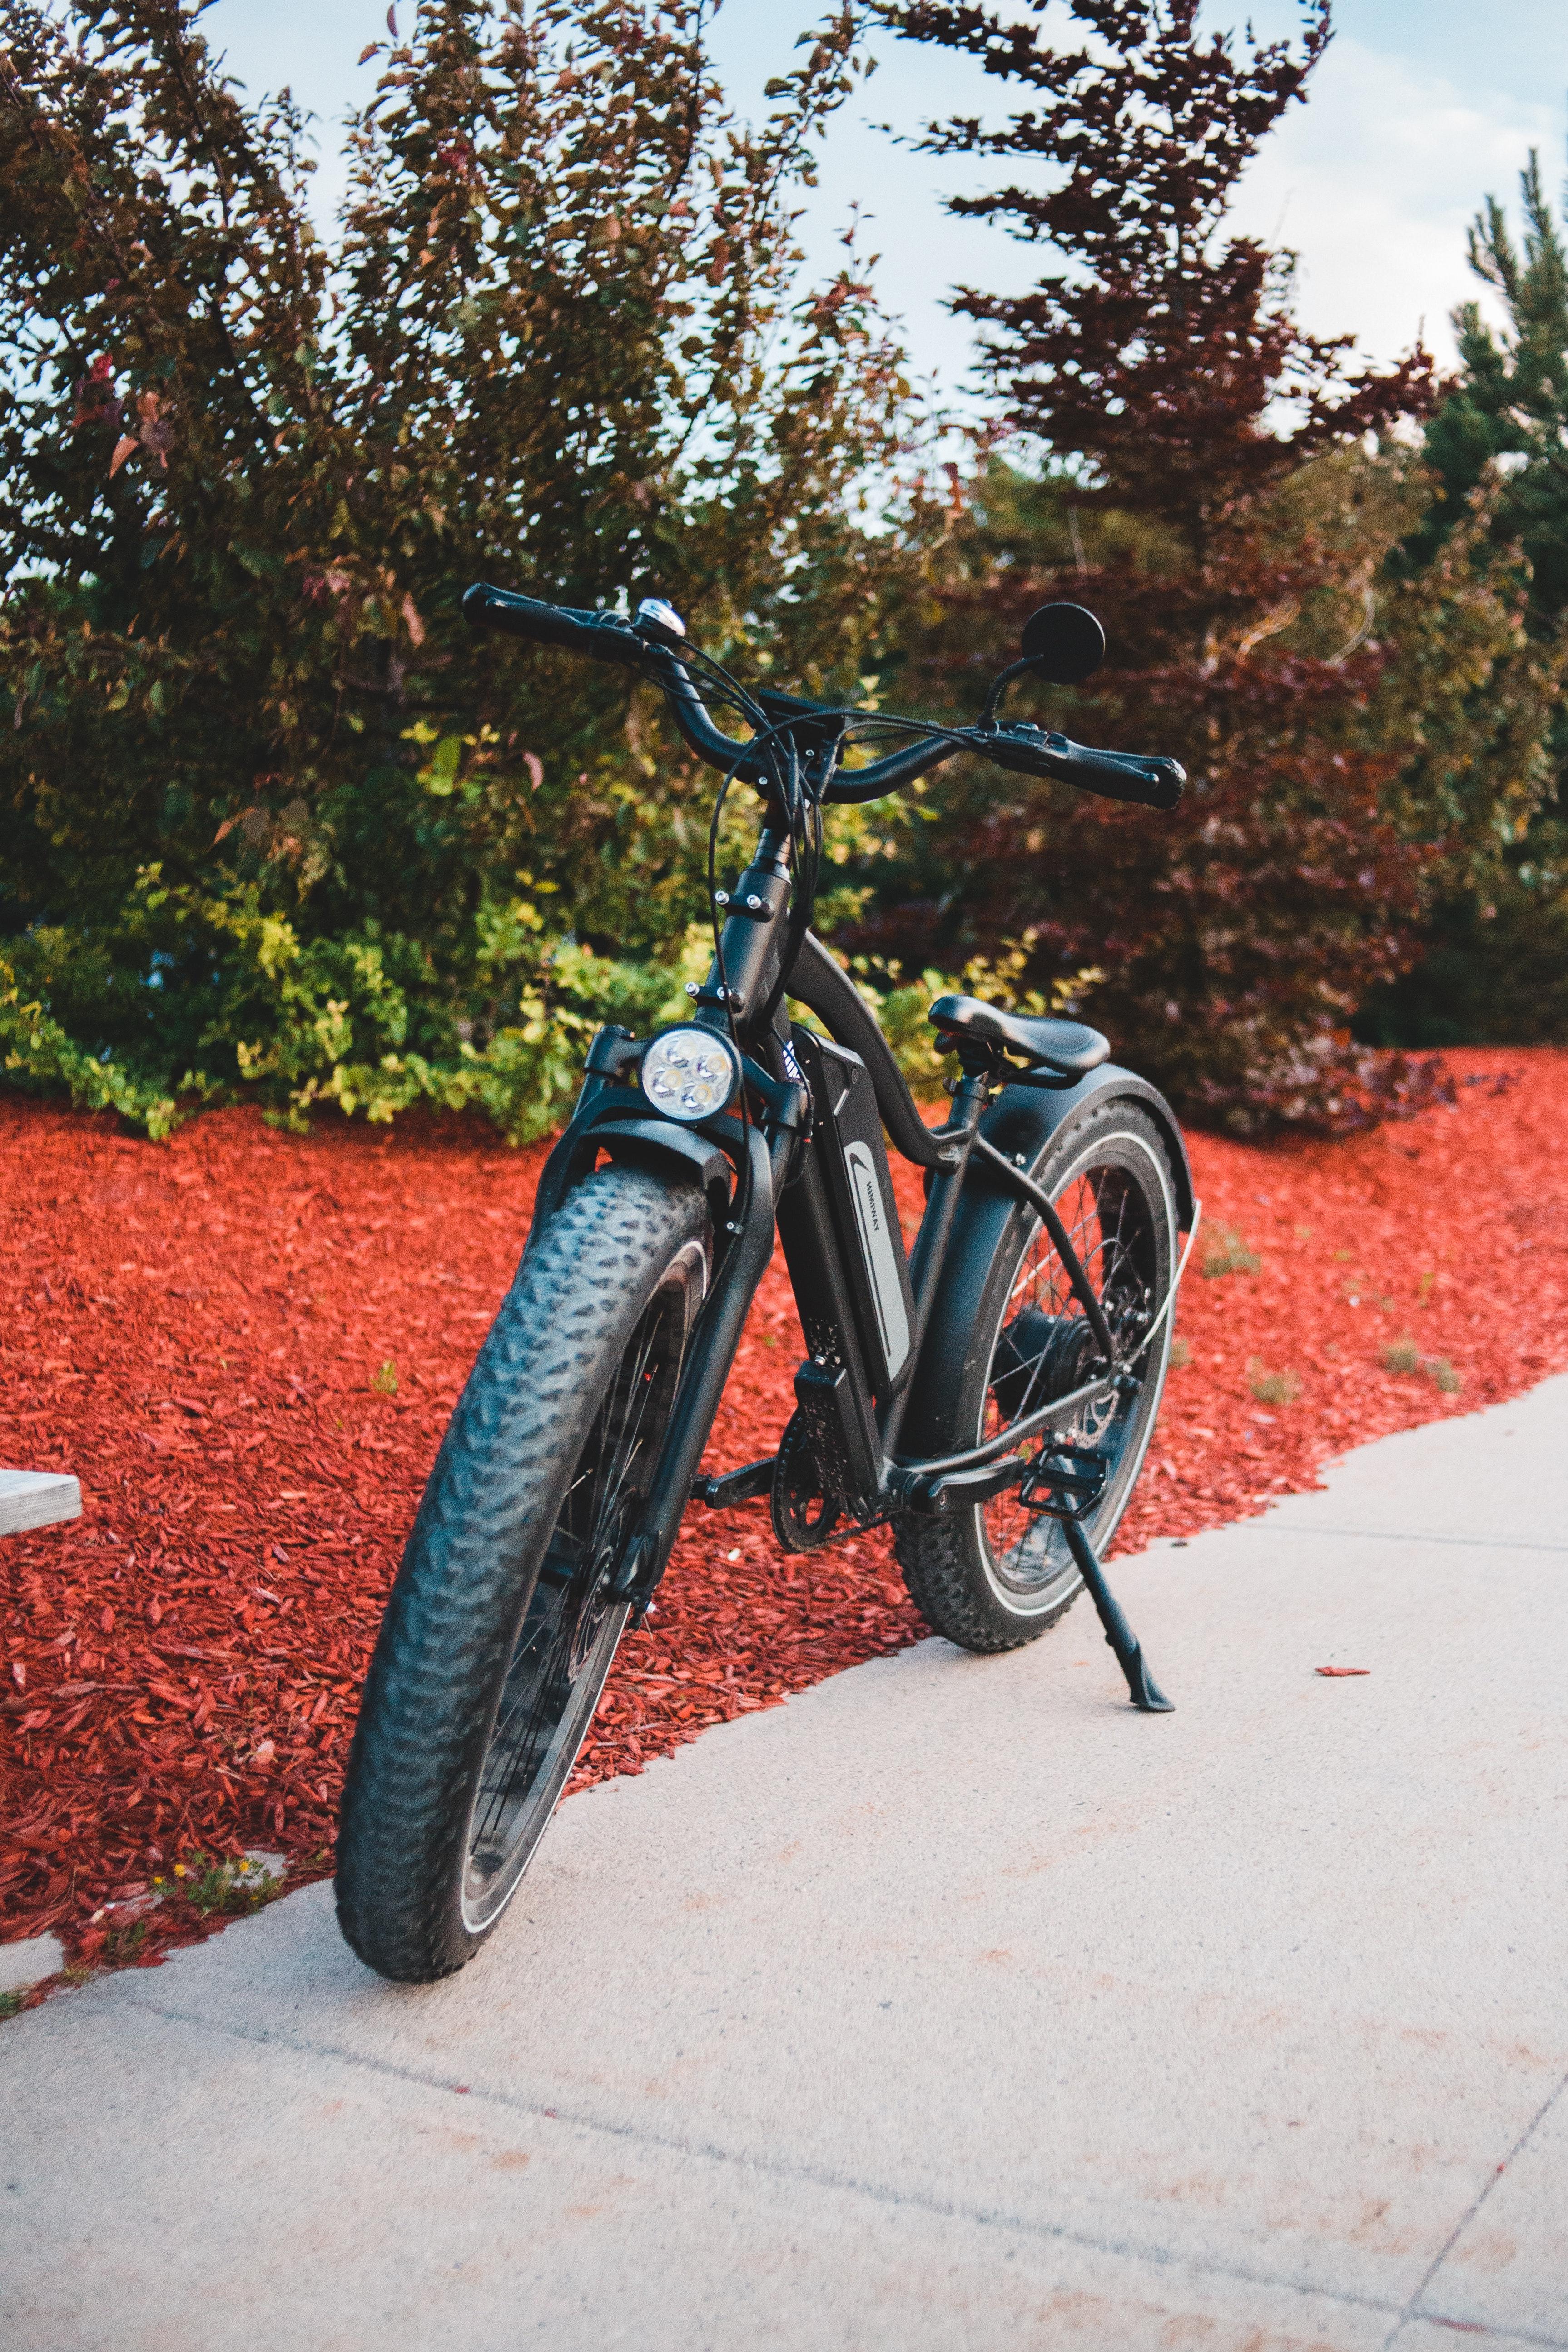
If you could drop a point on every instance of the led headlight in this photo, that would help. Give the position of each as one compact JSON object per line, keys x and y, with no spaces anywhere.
{"x":691,"y":1073}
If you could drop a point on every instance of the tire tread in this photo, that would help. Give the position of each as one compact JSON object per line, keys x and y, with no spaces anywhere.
{"x":517,"y":1430}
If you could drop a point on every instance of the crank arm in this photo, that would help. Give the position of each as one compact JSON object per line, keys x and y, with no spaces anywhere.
{"x":954,"y":1490}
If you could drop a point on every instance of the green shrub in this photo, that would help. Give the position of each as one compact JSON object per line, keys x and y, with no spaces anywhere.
{"x":273,"y":821}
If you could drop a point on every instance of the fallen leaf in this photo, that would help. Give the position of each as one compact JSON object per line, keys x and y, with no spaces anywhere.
{"x":1344,"y":1670}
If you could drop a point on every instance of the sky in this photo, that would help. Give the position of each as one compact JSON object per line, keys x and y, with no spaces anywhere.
{"x":1421,"y":109}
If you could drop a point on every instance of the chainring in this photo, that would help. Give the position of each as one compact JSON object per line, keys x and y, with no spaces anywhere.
{"x":804,"y":1516}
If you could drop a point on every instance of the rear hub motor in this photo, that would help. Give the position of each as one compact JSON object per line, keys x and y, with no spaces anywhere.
{"x":1041,"y":1358}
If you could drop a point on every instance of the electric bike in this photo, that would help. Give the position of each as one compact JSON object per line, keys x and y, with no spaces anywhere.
{"x":991,"y":1394}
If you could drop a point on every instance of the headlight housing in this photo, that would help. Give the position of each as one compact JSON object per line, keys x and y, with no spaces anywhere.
{"x":691,"y":1074}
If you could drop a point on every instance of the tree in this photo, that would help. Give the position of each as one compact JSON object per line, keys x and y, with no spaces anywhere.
{"x":272,"y":814}
{"x":1202,"y":474}
{"x":1495,"y":960}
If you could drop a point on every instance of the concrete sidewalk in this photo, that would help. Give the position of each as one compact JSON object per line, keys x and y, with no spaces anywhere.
{"x":952,"y":2005}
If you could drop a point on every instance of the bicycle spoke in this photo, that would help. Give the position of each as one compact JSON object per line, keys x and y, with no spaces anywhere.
{"x":1099,"y":1212}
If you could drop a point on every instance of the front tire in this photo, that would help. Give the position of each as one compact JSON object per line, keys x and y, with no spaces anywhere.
{"x":500,"y":1629}
{"x":993,"y":1576}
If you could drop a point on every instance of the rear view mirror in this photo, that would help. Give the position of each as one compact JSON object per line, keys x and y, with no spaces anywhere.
{"x":1063,"y":644}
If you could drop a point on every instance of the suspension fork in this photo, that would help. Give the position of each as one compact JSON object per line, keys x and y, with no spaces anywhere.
{"x":706,"y":1370}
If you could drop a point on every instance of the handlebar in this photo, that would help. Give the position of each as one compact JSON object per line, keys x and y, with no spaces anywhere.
{"x":1151,"y":782}
{"x":1028,"y":750}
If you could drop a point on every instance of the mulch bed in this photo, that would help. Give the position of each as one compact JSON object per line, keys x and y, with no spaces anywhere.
{"x":246,"y":1345}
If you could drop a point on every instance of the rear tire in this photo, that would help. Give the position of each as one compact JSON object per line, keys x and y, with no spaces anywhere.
{"x":993,"y":1576}
{"x":500,"y":1631}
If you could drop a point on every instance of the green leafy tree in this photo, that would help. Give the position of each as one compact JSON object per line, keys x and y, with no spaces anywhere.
{"x":1495,"y":965}
{"x":273,"y":817}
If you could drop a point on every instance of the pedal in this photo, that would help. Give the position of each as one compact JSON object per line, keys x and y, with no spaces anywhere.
{"x":735,"y":1486}
{"x":1065,"y":1482}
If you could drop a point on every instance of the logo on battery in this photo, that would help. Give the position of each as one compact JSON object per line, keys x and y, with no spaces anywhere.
{"x":877,"y":1248}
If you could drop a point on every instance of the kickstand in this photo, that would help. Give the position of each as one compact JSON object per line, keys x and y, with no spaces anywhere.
{"x":1146,"y":1692}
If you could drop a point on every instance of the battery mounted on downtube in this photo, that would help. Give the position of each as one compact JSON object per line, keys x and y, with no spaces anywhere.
{"x":846,"y":1134}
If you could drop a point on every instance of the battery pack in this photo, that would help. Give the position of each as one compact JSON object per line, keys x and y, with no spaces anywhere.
{"x":847,"y":1137}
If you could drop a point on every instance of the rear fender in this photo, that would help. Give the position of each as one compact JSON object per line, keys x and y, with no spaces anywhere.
{"x":1025,"y":1119}
{"x":1021,"y":1123}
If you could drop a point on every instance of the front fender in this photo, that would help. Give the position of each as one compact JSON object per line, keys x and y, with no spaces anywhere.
{"x":615,"y":1120}
{"x":661,"y":1142}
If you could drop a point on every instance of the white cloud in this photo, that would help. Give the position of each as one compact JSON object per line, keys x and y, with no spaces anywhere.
{"x":1375,"y":182}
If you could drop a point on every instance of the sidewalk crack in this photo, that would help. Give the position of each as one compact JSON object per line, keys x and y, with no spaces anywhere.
{"x":1416,"y":2308}
{"x":1158,"y":2254}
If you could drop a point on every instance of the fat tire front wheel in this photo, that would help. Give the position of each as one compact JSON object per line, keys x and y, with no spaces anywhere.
{"x":501,"y":1626}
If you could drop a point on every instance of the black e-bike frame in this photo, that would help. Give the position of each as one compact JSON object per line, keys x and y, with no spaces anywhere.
{"x":757,"y":1162}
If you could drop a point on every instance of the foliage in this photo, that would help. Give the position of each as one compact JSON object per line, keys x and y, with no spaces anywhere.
{"x":1227,"y":1251}
{"x":209,"y":1883}
{"x":276,"y":823}
{"x":1510,"y":403}
{"x":273,"y":817}
{"x":1208,"y":480}
{"x":1403,"y":1355}
{"x":1496,"y":965}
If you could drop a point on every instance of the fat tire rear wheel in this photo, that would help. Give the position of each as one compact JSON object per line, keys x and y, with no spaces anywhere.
{"x":991,"y":1578}
{"x":500,"y":1631}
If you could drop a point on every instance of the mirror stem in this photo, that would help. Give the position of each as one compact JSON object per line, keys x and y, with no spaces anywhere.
{"x":999,"y":687}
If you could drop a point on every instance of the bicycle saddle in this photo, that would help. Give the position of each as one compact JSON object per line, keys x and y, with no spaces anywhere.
{"x":1067,"y":1047}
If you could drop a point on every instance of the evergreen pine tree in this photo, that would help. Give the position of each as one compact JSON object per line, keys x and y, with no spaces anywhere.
{"x":1495,"y":967}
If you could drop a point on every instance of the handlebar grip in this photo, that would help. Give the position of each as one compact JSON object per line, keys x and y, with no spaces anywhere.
{"x":603,"y":636}
{"x":1147,"y":779}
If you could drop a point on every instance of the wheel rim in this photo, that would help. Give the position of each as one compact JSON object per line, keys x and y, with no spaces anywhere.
{"x":572,"y":1627}
{"x":1044,"y":1348}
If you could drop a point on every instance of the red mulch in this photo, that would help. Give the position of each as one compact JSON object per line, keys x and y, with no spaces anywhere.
{"x":196,"y":1330}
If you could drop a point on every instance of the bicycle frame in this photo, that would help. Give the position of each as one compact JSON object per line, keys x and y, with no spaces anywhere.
{"x":760,"y":1174}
